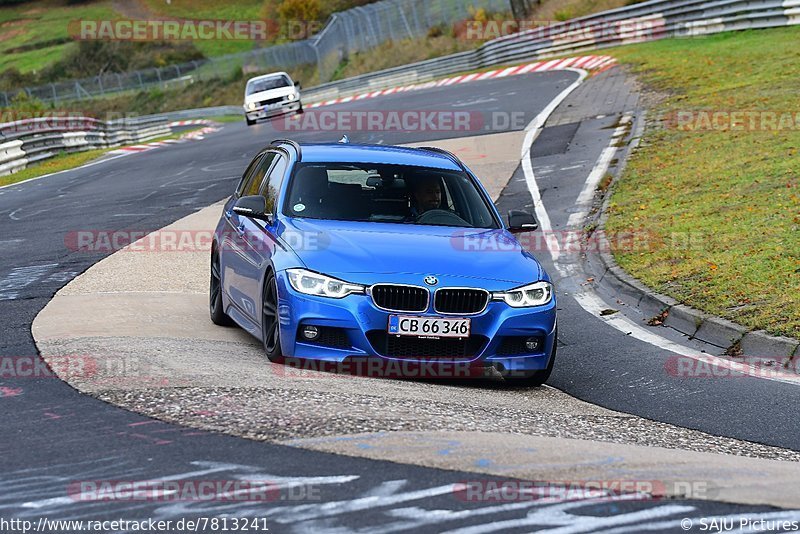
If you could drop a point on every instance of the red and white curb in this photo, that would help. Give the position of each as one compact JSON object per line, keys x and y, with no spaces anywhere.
{"x":589,"y":63}
{"x":191,"y":122}
{"x":193,"y":135}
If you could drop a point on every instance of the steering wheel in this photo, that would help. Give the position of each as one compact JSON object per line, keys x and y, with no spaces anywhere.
{"x":441,"y":217}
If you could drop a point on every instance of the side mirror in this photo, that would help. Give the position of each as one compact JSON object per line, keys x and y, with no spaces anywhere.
{"x":521,"y":221}
{"x":297,"y":84}
{"x":254,"y":206}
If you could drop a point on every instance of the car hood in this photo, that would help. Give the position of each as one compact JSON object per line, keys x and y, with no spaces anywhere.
{"x":362,"y":252}
{"x":266,"y":95}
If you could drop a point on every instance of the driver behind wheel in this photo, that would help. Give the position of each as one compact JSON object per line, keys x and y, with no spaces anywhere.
{"x":426,"y":194}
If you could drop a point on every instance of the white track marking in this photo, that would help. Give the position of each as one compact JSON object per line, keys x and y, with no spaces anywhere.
{"x":584,"y":201}
{"x":29,"y":180}
{"x":587,"y":298}
{"x":532,"y":131}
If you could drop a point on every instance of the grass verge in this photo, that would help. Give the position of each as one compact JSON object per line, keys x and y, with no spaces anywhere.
{"x":723,"y":204}
{"x":65,"y":161}
{"x":36,"y":34}
{"x":61,"y":162}
{"x":224,"y":119}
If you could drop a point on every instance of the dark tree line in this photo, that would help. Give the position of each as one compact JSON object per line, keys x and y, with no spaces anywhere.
{"x":521,"y":9}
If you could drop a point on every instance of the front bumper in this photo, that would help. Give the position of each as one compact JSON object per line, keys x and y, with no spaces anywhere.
{"x":364,"y":327}
{"x":266,"y":113}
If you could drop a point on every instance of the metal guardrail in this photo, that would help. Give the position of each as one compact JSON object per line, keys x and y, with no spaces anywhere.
{"x":346,"y":32}
{"x":199,"y":113}
{"x":28,"y":141}
{"x":362,"y":28}
{"x":646,"y":21}
{"x":641,"y":22}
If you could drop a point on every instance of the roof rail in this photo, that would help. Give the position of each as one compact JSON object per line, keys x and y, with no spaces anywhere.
{"x":446,"y":153}
{"x":290,"y":142}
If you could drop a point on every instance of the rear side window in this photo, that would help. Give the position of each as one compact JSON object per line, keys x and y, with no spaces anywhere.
{"x":253,"y":185}
{"x":272,"y":185}
{"x":248,"y":173}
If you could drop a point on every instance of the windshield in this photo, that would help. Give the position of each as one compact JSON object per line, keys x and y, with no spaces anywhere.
{"x":265,"y":84}
{"x":387,"y":193}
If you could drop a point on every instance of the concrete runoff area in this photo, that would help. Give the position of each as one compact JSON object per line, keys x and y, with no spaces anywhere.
{"x":141,"y":319}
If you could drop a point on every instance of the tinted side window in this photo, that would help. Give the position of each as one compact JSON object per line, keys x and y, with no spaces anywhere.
{"x":272,"y":186}
{"x":254,"y":182}
{"x":247,"y":175}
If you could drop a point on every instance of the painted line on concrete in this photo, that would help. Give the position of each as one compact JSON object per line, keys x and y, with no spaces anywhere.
{"x":587,"y":298}
{"x":532,"y":131}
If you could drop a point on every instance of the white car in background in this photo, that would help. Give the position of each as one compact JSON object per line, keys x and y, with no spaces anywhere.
{"x":270,"y":95}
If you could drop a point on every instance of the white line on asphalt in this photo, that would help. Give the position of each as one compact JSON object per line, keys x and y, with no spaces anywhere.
{"x":532,"y":131}
{"x":29,"y":180}
{"x":584,"y":201}
{"x":588,"y":299}
{"x":594,"y":304}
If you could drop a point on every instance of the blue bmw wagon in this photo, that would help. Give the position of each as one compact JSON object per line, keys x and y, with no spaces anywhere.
{"x":328,"y":252}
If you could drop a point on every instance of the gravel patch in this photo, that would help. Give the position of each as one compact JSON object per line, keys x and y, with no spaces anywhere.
{"x":278,"y":414}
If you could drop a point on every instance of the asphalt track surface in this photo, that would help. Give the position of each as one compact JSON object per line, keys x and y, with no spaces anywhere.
{"x":53,"y":436}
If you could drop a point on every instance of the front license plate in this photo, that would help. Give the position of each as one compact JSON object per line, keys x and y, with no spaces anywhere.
{"x":431,"y":327}
{"x":276,"y":105}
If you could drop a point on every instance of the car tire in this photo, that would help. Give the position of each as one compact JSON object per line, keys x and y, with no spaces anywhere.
{"x":270,"y":324}
{"x":249,"y":122}
{"x":218,"y":315}
{"x":535,"y":378}
{"x":300,"y":109}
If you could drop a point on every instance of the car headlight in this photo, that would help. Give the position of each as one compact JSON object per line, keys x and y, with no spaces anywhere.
{"x":292,"y":96}
{"x":312,"y":283}
{"x":251,"y":106}
{"x":536,"y":294}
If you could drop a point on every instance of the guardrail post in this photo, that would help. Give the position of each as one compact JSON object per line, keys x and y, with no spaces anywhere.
{"x":361,"y":28}
{"x":78,"y":89}
{"x":319,"y":62}
{"x":405,"y":21}
{"x":415,"y":15}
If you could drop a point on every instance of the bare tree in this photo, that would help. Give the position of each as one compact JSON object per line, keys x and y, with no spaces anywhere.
{"x":521,"y":9}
